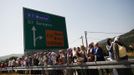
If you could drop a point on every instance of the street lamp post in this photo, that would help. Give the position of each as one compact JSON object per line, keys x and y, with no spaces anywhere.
{"x":82,"y":40}
{"x":86,"y":39}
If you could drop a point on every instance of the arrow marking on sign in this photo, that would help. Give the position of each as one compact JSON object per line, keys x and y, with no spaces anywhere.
{"x":34,"y":36}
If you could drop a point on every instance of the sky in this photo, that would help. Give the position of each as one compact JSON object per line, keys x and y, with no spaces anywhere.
{"x":81,"y":15}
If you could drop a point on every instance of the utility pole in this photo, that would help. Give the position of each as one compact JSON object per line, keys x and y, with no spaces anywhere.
{"x":82,"y":40}
{"x":86,"y":39}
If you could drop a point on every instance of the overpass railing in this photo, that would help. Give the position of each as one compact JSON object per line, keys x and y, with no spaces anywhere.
{"x":87,"y":65}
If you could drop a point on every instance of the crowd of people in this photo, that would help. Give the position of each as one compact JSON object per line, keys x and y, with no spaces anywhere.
{"x":77,"y":55}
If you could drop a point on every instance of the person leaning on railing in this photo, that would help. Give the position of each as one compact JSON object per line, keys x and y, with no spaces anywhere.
{"x":120,"y":54}
{"x":109,"y":49}
{"x":90,"y":55}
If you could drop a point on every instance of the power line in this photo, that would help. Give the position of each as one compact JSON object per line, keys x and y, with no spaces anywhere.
{"x":104,"y":32}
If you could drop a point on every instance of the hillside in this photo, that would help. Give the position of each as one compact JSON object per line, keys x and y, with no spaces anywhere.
{"x":9,"y":56}
{"x":127,"y":38}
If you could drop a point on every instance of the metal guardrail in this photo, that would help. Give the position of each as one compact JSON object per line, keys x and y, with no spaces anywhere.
{"x":87,"y":65}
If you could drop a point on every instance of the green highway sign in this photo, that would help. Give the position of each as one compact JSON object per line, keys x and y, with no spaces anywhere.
{"x":43,"y":31}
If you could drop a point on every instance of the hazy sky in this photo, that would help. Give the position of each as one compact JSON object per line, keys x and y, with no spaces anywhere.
{"x":81,"y":15}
